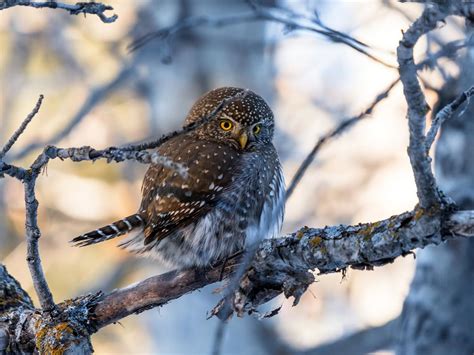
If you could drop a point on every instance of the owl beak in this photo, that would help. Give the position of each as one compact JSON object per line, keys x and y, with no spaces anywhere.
{"x":243,"y":139}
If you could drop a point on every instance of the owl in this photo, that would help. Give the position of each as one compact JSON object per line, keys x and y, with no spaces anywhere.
{"x":232,"y":197}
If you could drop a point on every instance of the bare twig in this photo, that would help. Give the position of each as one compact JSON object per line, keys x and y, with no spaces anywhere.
{"x":343,"y":126}
{"x":32,"y":236}
{"x":28,"y":177}
{"x":12,"y":171}
{"x":285,"y":17}
{"x":92,"y":8}
{"x":188,"y":128}
{"x":110,"y":154}
{"x":95,"y":96}
{"x":127,"y":152}
{"x":219,"y":337}
{"x":444,"y":114}
{"x":365,"y":341}
{"x":448,"y":50}
{"x":22,"y":127}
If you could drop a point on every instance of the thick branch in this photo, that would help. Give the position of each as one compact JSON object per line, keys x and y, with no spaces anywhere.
{"x":427,"y":190}
{"x":92,"y":8}
{"x":282,"y":264}
{"x":12,"y":294}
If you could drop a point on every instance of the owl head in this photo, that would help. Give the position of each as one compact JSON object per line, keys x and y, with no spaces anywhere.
{"x":245,"y":123}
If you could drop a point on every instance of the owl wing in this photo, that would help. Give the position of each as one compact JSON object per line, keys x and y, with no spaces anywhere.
{"x":170,"y":201}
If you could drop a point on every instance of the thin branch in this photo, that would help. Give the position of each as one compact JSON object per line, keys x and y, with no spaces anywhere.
{"x":343,"y":126}
{"x":22,"y":127}
{"x":448,"y":51}
{"x":126,"y":152}
{"x":87,"y":153}
{"x":219,"y":337}
{"x":188,"y":128}
{"x":32,"y":236}
{"x":12,"y":171}
{"x":365,"y":341}
{"x":95,"y":96}
{"x":444,"y":114}
{"x":288,"y":18}
{"x":130,"y":152}
{"x":92,"y":8}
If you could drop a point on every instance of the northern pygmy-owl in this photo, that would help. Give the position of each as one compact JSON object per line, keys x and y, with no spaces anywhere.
{"x":232,"y":197}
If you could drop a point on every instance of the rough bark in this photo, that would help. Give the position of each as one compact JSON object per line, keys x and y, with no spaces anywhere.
{"x":281,"y":266}
{"x":438,"y":314}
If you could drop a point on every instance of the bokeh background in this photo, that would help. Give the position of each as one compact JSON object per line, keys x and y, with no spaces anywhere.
{"x":99,"y":94}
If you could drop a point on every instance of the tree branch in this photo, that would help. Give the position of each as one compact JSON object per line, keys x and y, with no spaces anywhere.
{"x":342,"y":127}
{"x":28,"y":177}
{"x":32,"y":236}
{"x":94,"y":97}
{"x":444,"y":114}
{"x":282,"y":264}
{"x":291,"y":20}
{"x":447,"y":51}
{"x":362,"y":342}
{"x":427,"y":190}
{"x":22,"y":128}
{"x":92,"y":8}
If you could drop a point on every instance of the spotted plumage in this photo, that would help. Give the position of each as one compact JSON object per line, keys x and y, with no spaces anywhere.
{"x":232,"y":196}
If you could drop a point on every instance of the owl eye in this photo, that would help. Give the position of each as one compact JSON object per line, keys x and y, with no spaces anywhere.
{"x":257,"y":129}
{"x":226,"y":125}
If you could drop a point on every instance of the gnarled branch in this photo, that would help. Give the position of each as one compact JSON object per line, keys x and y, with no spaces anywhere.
{"x":92,"y":8}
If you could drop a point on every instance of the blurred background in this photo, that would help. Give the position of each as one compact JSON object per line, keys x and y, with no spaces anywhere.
{"x":99,"y":94}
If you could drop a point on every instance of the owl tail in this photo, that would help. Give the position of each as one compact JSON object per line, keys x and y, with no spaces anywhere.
{"x":111,"y":231}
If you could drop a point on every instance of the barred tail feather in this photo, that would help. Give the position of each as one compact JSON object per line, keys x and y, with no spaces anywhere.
{"x":111,"y":231}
